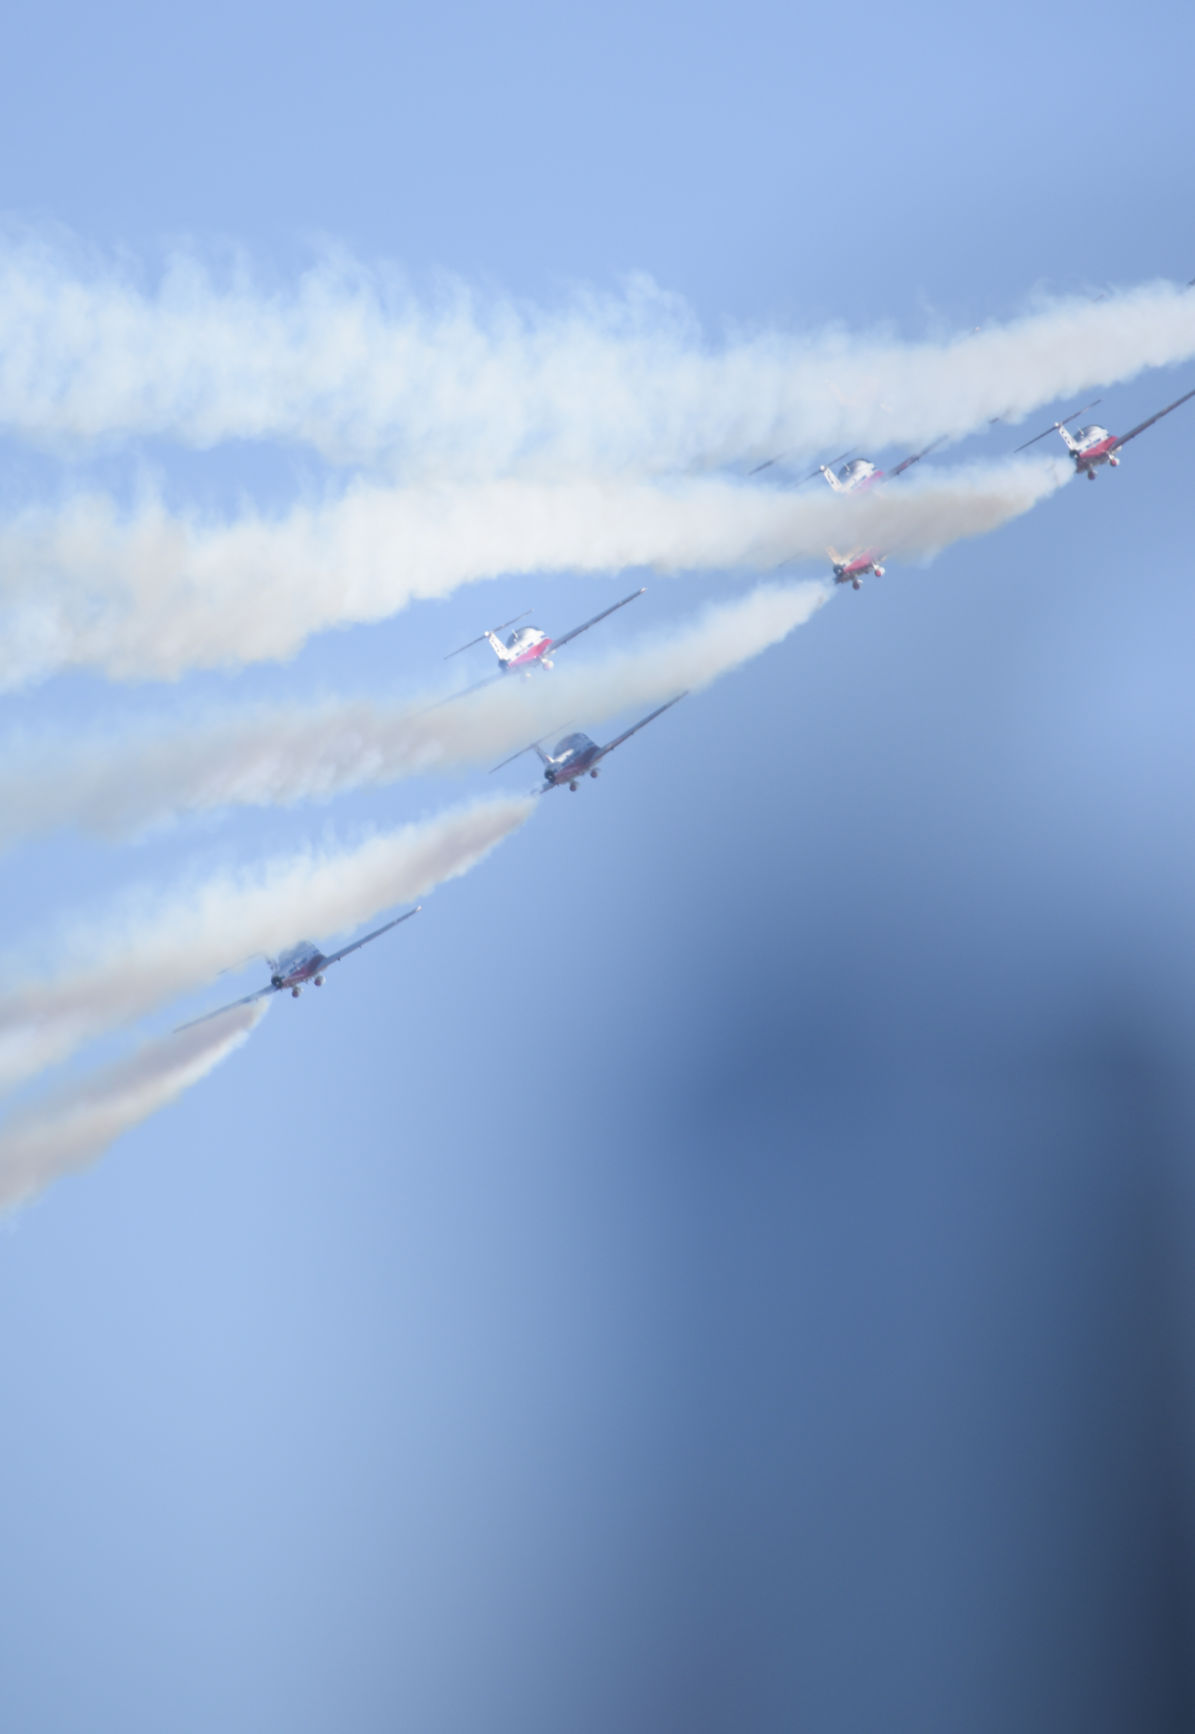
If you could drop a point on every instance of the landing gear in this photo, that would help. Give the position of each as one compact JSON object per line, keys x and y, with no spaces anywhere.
{"x":593,"y":773}
{"x":573,"y":787}
{"x":1091,"y":475}
{"x":295,"y":992}
{"x":319,"y":981}
{"x":856,"y":583}
{"x":878,"y":570}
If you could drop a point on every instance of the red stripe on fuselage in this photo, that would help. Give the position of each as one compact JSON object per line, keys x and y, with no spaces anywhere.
{"x":1097,"y":454}
{"x":532,"y":655}
{"x":859,"y":567}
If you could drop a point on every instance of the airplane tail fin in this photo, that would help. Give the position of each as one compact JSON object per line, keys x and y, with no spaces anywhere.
{"x":497,"y":646}
{"x":536,"y":747}
{"x":832,"y":479}
{"x":488,"y":633}
{"x":1071,"y":443}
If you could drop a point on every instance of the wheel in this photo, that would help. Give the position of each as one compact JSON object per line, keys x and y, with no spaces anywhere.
{"x":319,"y":981}
{"x":856,"y":583}
{"x":1091,"y":475}
{"x":295,"y":992}
{"x":573,"y":787}
{"x":593,"y":773}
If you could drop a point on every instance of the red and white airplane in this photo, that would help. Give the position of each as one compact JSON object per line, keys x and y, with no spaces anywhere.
{"x":857,"y":477}
{"x":576,"y":754}
{"x":852,"y":569}
{"x":529,"y":647}
{"x":1094,"y":445}
{"x":293,"y":969}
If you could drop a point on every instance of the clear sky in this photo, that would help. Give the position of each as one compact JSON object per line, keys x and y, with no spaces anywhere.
{"x":727,"y":1265}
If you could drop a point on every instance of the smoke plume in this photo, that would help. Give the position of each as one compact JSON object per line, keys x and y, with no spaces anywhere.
{"x":151,"y":594}
{"x":117,"y":785}
{"x":357,"y":366}
{"x":74,"y":1125}
{"x":155,"y":947}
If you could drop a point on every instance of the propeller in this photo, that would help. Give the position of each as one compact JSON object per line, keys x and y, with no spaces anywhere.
{"x":1055,"y":425}
{"x":481,"y":639}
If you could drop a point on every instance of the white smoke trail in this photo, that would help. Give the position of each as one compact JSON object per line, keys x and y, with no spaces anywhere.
{"x":153,"y":949}
{"x":75,"y":1124}
{"x":354,"y":364}
{"x":150,"y":595}
{"x":119,"y":784}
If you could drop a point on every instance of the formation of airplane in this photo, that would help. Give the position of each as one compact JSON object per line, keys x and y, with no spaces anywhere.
{"x":574,"y":757}
{"x":848,"y":474}
{"x":293,"y":969}
{"x":1092,"y":446}
{"x":577,"y":755}
{"x":857,"y":477}
{"x":528,"y":648}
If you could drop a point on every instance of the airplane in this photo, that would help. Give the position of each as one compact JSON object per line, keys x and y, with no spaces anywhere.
{"x":529,"y":646}
{"x":293,"y":969}
{"x":1094,"y":445}
{"x":852,"y":569}
{"x":853,"y":476}
{"x":856,"y":477}
{"x":576,"y":753}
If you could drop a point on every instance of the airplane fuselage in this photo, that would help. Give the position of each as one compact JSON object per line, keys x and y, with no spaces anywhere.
{"x":294,"y":971}
{"x":1090,"y":447}
{"x":522,"y":650}
{"x":855,"y":570}
{"x":528,"y":658}
{"x":573,"y":757}
{"x":854,"y":478}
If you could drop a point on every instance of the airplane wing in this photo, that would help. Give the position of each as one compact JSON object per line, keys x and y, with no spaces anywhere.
{"x":1141,"y":426}
{"x":1056,"y":425}
{"x":641,"y":724}
{"x":376,"y":934}
{"x":801,"y":480}
{"x":578,"y":630}
{"x":220,"y":1010}
{"x":904,"y":464}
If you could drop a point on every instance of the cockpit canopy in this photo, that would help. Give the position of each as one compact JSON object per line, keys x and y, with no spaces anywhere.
{"x":576,"y":743}
{"x":1091,"y":436}
{"x":296,"y":955}
{"x":522,"y":637}
{"x":850,"y":475}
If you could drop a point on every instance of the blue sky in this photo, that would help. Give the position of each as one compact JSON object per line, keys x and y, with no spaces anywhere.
{"x":726,"y":1265}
